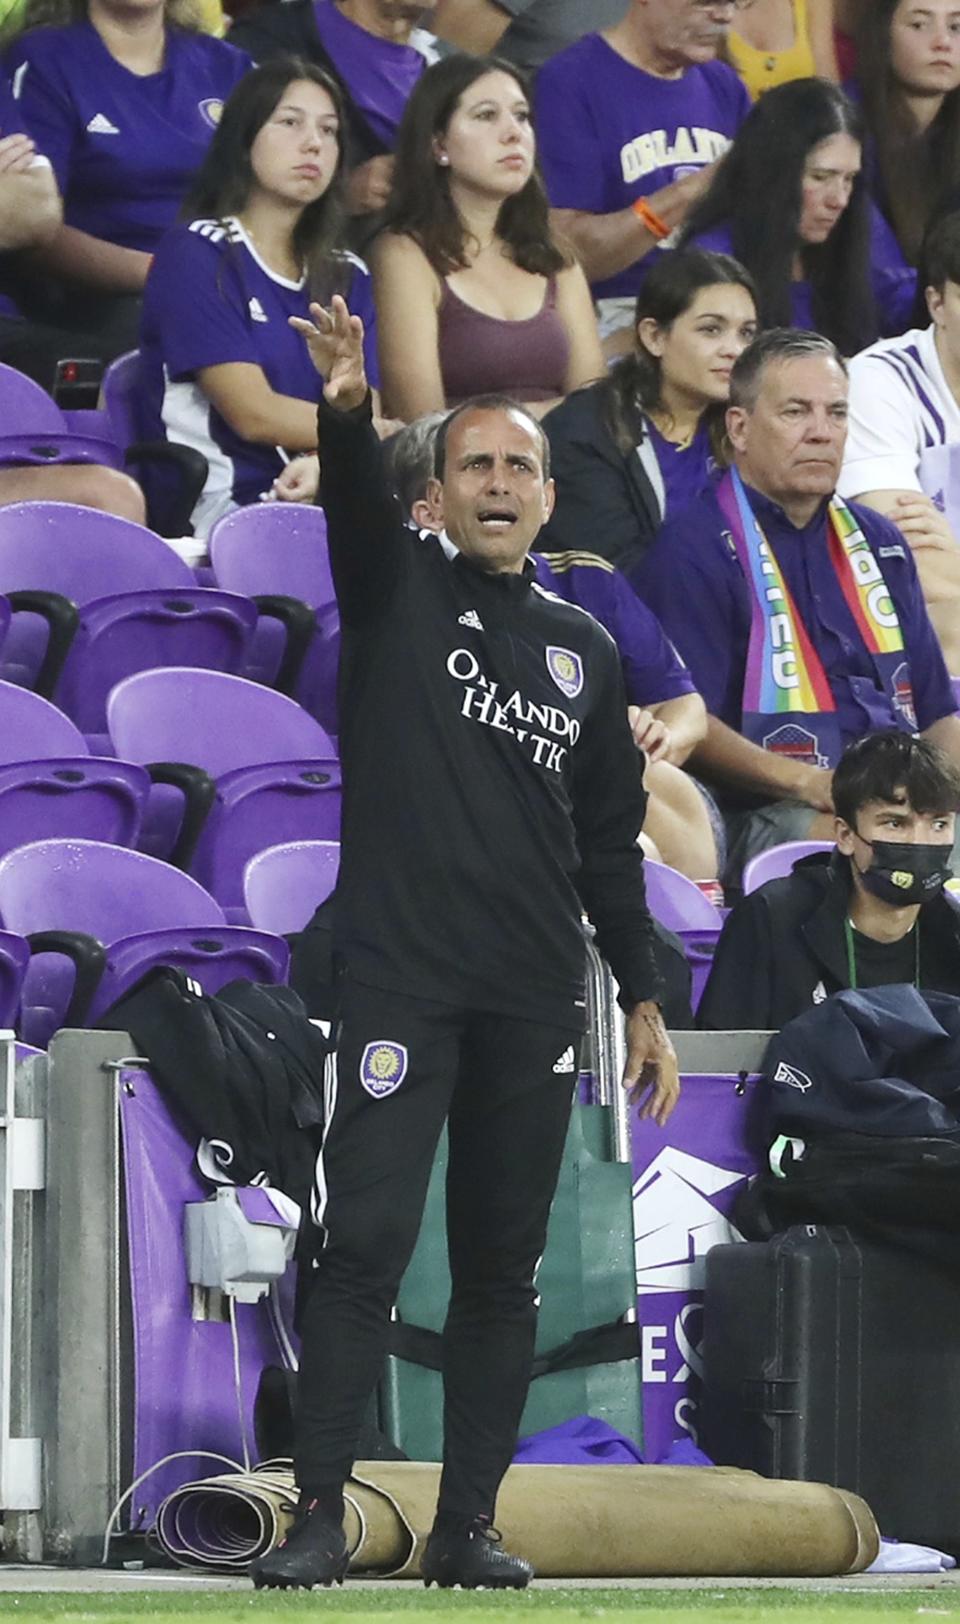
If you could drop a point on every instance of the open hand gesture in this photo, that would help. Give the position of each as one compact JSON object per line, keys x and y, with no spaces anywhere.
{"x":335,"y":341}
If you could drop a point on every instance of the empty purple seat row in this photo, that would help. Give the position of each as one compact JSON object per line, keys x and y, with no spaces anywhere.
{"x":238,"y":768}
{"x":37,"y":433}
{"x":98,"y":917}
{"x":277,"y":555}
{"x":207,"y":769}
{"x":88,"y":920}
{"x":97,"y":598}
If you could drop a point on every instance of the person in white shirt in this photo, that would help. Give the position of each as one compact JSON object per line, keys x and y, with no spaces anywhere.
{"x":903,"y":445}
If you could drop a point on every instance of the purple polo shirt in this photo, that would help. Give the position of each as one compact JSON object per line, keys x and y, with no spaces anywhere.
{"x":652,"y":669}
{"x":608,"y":132}
{"x":124,"y":146}
{"x":692,"y":580}
{"x":378,"y":73}
{"x":894,"y":281}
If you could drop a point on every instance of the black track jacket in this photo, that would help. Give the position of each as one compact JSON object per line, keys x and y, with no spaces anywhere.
{"x":491,"y":785}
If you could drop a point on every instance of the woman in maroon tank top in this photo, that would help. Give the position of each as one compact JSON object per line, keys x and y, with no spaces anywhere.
{"x":473,"y":294}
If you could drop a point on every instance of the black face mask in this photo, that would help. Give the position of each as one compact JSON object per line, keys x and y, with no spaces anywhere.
{"x":903,"y":873}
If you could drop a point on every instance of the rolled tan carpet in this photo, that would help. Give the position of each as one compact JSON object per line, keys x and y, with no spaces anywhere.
{"x":598,"y":1522}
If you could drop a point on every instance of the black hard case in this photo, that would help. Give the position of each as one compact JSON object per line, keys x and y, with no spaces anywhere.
{"x":834,"y":1360}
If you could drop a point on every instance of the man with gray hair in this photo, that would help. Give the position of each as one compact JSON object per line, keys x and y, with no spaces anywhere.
{"x":800,"y":617}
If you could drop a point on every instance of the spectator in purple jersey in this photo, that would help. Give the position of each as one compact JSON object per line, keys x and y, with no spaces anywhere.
{"x":667,"y":716}
{"x":790,"y":203}
{"x":908,"y":83}
{"x":123,"y":101}
{"x":630,"y":122}
{"x":30,"y":214}
{"x":473,"y":294}
{"x":370,"y":47}
{"x":635,"y":448}
{"x":223,"y":369}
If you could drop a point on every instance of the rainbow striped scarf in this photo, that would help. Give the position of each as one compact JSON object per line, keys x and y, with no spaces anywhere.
{"x":784,"y":674}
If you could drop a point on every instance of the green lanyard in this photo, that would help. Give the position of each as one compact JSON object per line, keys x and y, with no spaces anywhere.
{"x":852,"y":957}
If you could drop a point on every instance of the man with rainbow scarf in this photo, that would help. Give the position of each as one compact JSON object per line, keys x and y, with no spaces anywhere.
{"x":800,"y":617}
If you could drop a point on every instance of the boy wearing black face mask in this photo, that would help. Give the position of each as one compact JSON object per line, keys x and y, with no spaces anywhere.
{"x":869,"y":914}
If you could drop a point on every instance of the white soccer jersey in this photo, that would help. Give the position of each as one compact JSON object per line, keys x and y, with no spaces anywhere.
{"x":904,"y":423}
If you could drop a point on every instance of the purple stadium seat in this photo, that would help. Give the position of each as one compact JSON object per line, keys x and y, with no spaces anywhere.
{"x":675,"y":900}
{"x":139,"y":605}
{"x":138,"y":631}
{"x":98,"y":917}
{"x":50,"y":785}
{"x":284,"y":884}
{"x":36,"y":433}
{"x":680,"y":905}
{"x":778,"y":861}
{"x":275,"y":769}
{"x":171,"y":476}
{"x":276,"y":553}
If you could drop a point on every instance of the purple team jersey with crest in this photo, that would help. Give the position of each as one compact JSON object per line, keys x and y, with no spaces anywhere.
{"x":209,"y":300}
{"x":123,"y":146}
{"x":652,"y":669}
{"x":608,"y":132}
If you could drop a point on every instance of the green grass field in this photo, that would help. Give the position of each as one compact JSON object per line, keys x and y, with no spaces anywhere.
{"x":560,"y":1606}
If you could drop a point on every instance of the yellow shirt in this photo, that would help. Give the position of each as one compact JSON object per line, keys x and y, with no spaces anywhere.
{"x":209,"y":15}
{"x":761,"y":70}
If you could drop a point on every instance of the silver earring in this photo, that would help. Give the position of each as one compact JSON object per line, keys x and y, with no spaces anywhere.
{"x":443,"y":159}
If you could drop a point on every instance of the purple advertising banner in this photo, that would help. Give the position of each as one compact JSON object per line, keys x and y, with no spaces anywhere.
{"x":185,"y":1394}
{"x":685,"y":1179}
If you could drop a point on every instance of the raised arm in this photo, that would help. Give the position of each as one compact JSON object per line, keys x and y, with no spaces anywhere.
{"x":365,"y":530}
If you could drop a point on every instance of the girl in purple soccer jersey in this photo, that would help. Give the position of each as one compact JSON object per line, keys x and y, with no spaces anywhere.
{"x":789,"y":201}
{"x":123,"y":97}
{"x":474,"y":294}
{"x":222,"y":368}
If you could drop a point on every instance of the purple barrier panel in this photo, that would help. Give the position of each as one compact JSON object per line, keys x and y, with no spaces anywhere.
{"x":185,"y":1395}
{"x":685,"y":1179}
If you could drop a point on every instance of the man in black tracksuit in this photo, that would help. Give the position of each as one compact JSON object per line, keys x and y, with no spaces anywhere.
{"x":491,"y":791}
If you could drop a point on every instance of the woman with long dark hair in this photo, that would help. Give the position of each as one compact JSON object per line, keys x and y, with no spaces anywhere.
{"x":123,"y":99}
{"x":474,"y":294}
{"x":223,"y":370}
{"x":789,"y":202}
{"x":908,"y":82}
{"x":642,"y":442}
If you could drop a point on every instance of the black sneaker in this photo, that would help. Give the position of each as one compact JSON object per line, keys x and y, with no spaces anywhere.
{"x":314,"y":1553}
{"x":470,"y":1557}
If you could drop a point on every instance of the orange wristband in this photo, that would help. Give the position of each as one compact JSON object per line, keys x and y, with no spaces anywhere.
{"x":650,"y":218}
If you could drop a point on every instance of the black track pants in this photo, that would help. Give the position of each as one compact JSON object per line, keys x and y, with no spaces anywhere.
{"x":506,"y":1087}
